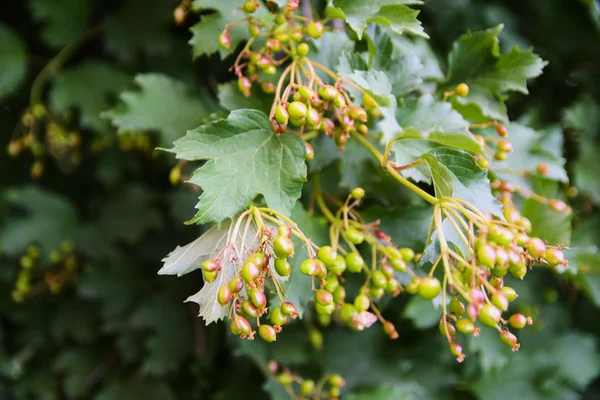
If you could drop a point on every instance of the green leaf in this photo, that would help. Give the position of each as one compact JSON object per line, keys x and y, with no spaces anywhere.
{"x":245,"y":158}
{"x":139,"y":26}
{"x":550,"y":226}
{"x":147,"y":110}
{"x":136,"y":388}
{"x":407,"y":391}
{"x":205,"y":34}
{"x":77,"y":364}
{"x":230,"y":98}
{"x":583,"y":116}
{"x":407,"y":226}
{"x":476,"y":60}
{"x":398,"y":17}
{"x":63,"y":21}
{"x":13,"y":63}
{"x":586,"y":168}
{"x":88,"y":87}
{"x":328,"y":51}
{"x":455,"y":173}
{"x":49,"y":219}
{"x":423,"y":313}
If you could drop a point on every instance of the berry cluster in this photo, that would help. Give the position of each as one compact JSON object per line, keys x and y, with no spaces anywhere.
{"x":43,"y":134}
{"x":29,"y":283}
{"x":307,"y":388}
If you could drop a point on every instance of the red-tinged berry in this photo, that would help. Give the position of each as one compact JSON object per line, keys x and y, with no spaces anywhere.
{"x":273,"y":45}
{"x":362,"y":303}
{"x":543,"y":169}
{"x":244,"y":85}
{"x":315,"y":29}
{"x":272,"y":367}
{"x":554,"y":257}
{"x":354,"y":262}
{"x":224,"y":295}
{"x":210,"y":276}
{"x":327,"y":126}
{"x":517,"y":321}
{"x":267,"y":87}
{"x":465,"y":326}
{"x":508,"y":338}
{"x":309,"y":267}
{"x":284,"y":230}
{"x":258,"y":298}
{"x":234,"y":328}
{"x":358,"y":113}
{"x":348,"y":312}
{"x":489,"y":315}
{"x":288,"y":308}
{"x":486,"y":255}
{"x":281,"y":115}
{"x":322,"y":274}
{"x":536,"y":247}
{"x":267,"y":333}
{"x":455,"y":349}
{"x":525,"y":224}
{"x":502,"y":257}
{"x":327,"y":255}
{"x":260,"y":259}
{"x":283,"y":267}
{"x":313,"y":118}
{"x":210,"y":266}
{"x":250,"y":271}
{"x":302,"y":49}
{"x":502,"y":131}
{"x":225,"y":40}
{"x":179,"y":15}
{"x":250,"y":309}
{"x":328,"y":92}
{"x":510,"y":293}
{"x":279,"y":128}
{"x":292,"y":5}
{"x":336,"y":381}
{"x":283,"y":247}
{"x":429,"y":288}
{"x":390,"y":330}
{"x":297,"y":110}
{"x":277,"y":317}
{"x":472,"y":312}
{"x":558,"y":205}
{"x":263,"y":62}
{"x":378,"y":279}
{"x":243,"y":325}
{"x":358,"y":193}
{"x":324,"y":297}
{"x":462,"y":89}
{"x":250,"y":6}
{"x":456,"y":307}
{"x":340,"y":102}
{"x":500,"y":301}
{"x":505,"y":146}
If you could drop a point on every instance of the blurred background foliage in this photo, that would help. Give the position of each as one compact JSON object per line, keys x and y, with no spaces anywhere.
{"x":83,"y":314}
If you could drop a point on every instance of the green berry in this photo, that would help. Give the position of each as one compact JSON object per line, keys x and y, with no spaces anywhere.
{"x":309,"y":267}
{"x":313,"y":118}
{"x":554,"y":257}
{"x":456,"y":306}
{"x":236,"y":284}
{"x":284,"y":230}
{"x":325,"y":309}
{"x":339,"y":295}
{"x":210,"y":276}
{"x":408,"y":254}
{"x":392,"y":286}
{"x":283,"y":267}
{"x":285,"y":379}
{"x":489,"y":315}
{"x":250,"y":6}
{"x":288,"y":308}
{"x":307,"y":387}
{"x":332,"y":283}
{"x":315,"y":337}
{"x":250,"y":309}
{"x":464,"y":325}
{"x":369,"y":102}
{"x":451,"y":329}
{"x":243,"y":325}
{"x":486,"y":255}
{"x":398,"y":264}
{"x":348,"y":312}
{"x":258,"y":298}
{"x":297,"y":110}
{"x":281,"y":115}
{"x":429,"y":288}
{"x":354,"y":262}
{"x":358,"y":193}
{"x":377,"y":292}
{"x":324,"y":297}
{"x":254,"y":30}
{"x":362,"y":302}
{"x":412,"y":288}
{"x":536,"y":248}
{"x":283,"y":247}
{"x":273,"y":45}
{"x":306,"y":93}
{"x":510,"y":293}
{"x":302,"y":49}
{"x":336,"y":381}
{"x":224,"y":40}
{"x":250,"y":271}
{"x":327,"y":255}
{"x":328,"y":92}
{"x":267,"y":333}
{"x":500,"y":301}
{"x":358,"y":113}
{"x":455,"y":349}
{"x":354,"y":236}
{"x":210,"y":266}
{"x":339,"y":266}
{"x":314,"y":29}
{"x":462,"y":89}
{"x":277,"y":317}
{"x":378,"y":279}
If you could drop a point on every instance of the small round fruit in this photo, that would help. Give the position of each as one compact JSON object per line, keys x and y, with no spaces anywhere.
{"x":285,"y":379}
{"x":250,"y":309}
{"x":254,"y":29}
{"x":273,"y":45}
{"x":250,"y":271}
{"x":283,"y":267}
{"x":407,"y":253}
{"x":554,"y":257}
{"x":327,"y":255}
{"x":284,"y":230}
{"x":315,"y":337}
{"x":358,"y":113}
{"x":398,"y":264}
{"x":210,"y":276}
{"x":267,"y":333}
{"x":543,"y":169}
{"x":283,"y":247}
{"x":412,"y":288}
{"x":224,"y":295}
{"x":378,"y":279}
{"x":336,"y":380}
{"x":250,"y":6}
{"x":258,"y":298}
{"x":369,"y":102}
{"x":536,"y":247}
{"x":210,"y":266}
{"x":455,"y":349}
{"x":243,"y":325}
{"x":307,"y":387}
{"x":358,"y":193}
{"x":429,"y":288}
{"x":390,"y":330}
{"x":354,"y":262}
{"x":288,"y":308}
{"x":486,"y":255}
{"x":462,"y":89}
{"x":309,"y":267}
{"x":281,"y":115}
{"x":313,"y":118}
{"x":464,"y":325}
{"x":362,"y":302}
{"x":236,"y":284}
{"x":277,"y":317}
{"x":508,"y":337}
{"x":501,"y":130}
{"x":500,"y":301}
{"x":510,"y":293}
{"x":325,"y":309}
{"x":489,"y":315}
{"x":456,"y":306}
{"x":348,"y":312}
{"x":314,"y":29}
{"x":225,"y":40}
{"x":302,"y":49}
{"x":328,"y":92}
{"x":338,"y":267}
{"x":505,"y":146}
{"x":451,"y":329}
{"x":297,"y":110}
{"x":354,"y":236}
{"x":339,"y":295}
{"x":517,"y":321}
{"x":259,"y":259}
{"x":324,"y":297}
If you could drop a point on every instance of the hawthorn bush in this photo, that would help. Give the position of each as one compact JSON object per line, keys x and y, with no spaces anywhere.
{"x":394,"y":200}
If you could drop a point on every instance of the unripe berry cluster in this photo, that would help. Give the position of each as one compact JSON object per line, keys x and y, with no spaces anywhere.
{"x":328,"y":385}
